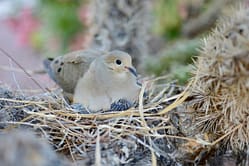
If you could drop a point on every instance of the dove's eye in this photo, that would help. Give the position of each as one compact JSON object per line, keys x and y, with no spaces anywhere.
{"x":118,"y":62}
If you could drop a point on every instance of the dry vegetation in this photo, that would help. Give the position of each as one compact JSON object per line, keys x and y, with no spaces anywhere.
{"x":220,"y":83}
{"x":203,"y":124}
{"x":125,"y":137}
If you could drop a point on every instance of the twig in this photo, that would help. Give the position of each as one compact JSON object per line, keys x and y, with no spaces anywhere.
{"x":221,"y":138}
{"x":6,"y":68}
{"x":97,"y":150}
{"x":20,"y":66}
{"x":14,"y":78}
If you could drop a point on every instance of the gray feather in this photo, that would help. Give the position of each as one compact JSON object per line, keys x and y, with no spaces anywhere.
{"x":47,"y":64}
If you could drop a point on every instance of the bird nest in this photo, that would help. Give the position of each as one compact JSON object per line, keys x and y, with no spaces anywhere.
{"x":104,"y":137}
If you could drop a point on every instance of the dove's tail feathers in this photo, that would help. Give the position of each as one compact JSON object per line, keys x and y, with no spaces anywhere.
{"x":47,"y":65}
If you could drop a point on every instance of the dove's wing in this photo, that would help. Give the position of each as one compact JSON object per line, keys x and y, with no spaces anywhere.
{"x":66,"y":70}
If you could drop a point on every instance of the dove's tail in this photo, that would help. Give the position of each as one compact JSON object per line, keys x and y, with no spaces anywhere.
{"x":47,"y":65}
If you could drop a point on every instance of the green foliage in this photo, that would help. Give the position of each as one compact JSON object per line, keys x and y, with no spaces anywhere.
{"x":60,"y":20}
{"x":181,"y":73}
{"x":175,"y":60}
{"x":168,"y":20}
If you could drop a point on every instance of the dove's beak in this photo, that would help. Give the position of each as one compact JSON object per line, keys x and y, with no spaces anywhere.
{"x":132,"y":70}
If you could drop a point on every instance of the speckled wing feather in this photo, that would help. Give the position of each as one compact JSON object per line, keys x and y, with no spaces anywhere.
{"x":66,"y":70}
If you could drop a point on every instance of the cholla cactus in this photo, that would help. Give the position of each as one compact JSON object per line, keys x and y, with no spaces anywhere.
{"x":123,"y":25}
{"x":220,"y":85}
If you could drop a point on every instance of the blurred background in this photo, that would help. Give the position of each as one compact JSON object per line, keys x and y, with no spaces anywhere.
{"x":162,"y":36}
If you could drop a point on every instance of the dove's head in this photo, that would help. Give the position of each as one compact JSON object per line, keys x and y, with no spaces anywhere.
{"x":119,"y":62}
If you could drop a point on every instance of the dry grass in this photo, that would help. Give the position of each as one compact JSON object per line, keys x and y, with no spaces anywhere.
{"x":220,"y":83}
{"x":76,"y":134}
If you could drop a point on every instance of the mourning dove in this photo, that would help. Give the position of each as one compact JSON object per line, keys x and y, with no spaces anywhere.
{"x":110,"y":77}
{"x":66,"y":70}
